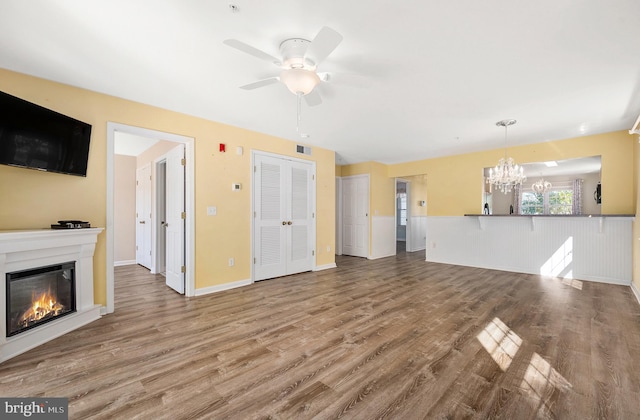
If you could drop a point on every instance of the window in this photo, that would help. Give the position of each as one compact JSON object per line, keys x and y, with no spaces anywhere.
{"x":402,"y":209}
{"x":558,"y":200}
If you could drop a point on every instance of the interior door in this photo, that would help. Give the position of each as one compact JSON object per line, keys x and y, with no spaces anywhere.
{"x":283,"y":216}
{"x":355,"y":216}
{"x":143,"y":216}
{"x":175,"y":223}
{"x":299,"y":218}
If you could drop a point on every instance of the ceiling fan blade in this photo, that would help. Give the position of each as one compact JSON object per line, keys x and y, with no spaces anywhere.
{"x":322,"y":45}
{"x":261,"y":83}
{"x":313,"y":98}
{"x":245,"y":48}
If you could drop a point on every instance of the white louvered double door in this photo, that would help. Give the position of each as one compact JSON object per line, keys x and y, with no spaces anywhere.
{"x":284,"y":211}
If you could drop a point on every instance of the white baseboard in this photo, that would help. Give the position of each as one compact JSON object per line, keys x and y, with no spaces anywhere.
{"x":222,"y":287}
{"x":377,"y":257}
{"x":636,"y":292}
{"x":126,"y":262}
{"x":325,"y":267}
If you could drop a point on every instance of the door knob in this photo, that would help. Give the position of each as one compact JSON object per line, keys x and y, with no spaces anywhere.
{"x":142,"y":222}
{"x":284,"y":223}
{"x":289,"y":222}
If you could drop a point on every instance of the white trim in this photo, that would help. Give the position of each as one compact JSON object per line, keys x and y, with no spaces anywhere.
{"x":112,"y":127}
{"x":635,"y":129}
{"x":157,"y":198}
{"x":325,"y":267}
{"x":125,"y":262}
{"x":635,"y":291}
{"x":222,"y":287}
{"x":338,"y":244}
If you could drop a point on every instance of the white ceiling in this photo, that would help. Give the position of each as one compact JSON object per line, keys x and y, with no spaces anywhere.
{"x":130,"y":144}
{"x":411,"y":79}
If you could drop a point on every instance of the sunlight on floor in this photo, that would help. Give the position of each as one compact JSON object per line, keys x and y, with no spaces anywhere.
{"x":559,"y":264}
{"x":540,"y":380}
{"x":576,"y":284}
{"x":500,"y":342}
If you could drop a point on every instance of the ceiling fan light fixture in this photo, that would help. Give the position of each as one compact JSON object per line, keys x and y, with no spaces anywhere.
{"x":299,"y":80}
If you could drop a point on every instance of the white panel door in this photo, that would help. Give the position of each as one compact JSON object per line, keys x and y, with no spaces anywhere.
{"x":283,"y":216}
{"x":143,"y":216}
{"x":174,"y":258}
{"x":355,"y":216}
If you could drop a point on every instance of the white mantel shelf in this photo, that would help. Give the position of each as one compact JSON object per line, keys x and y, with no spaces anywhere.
{"x":27,"y":249}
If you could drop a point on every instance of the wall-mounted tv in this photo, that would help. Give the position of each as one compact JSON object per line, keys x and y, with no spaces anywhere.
{"x":35,"y":137}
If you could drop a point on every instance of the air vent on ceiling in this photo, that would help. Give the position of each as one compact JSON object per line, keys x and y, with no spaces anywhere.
{"x":303,"y":149}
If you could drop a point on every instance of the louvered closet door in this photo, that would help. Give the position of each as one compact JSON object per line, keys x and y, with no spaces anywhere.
{"x":283,"y":219}
{"x":299,"y":248}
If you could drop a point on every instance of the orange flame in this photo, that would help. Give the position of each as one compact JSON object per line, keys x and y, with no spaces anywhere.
{"x":43,"y":306}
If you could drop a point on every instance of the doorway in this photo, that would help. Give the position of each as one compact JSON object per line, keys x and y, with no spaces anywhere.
{"x":189,"y":220}
{"x":403,"y":216}
{"x":159,"y":264}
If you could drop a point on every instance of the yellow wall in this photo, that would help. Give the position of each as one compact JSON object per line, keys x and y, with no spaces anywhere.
{"x":33,"y":199}
{"x":418,"y":185}
{"x":455,"y":182}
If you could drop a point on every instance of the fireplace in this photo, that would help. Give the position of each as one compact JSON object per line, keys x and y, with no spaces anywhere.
{"x":39,"y":295}
{"x":39,"y":262}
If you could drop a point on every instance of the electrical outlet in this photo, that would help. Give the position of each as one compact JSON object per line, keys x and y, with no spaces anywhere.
{"x":328,"y":248}
{"x":212,"y":211}
{"x":231,"y":262}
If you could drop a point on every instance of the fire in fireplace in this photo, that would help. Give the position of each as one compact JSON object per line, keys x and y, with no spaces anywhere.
{"x":39,"y":295}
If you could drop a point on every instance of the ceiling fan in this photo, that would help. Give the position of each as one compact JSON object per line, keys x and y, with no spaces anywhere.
{"x":299,"y":63}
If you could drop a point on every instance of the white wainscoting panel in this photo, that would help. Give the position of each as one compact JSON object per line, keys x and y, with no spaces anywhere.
{"x":383,"y":236}
{"x":418,"y":233}
{"x":585,"y":248}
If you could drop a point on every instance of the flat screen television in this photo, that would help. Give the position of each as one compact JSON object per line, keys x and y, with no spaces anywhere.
{"x":35,"y":137}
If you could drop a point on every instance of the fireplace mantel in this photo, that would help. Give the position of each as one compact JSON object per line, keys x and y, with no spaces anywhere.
{"x":26,"y":249}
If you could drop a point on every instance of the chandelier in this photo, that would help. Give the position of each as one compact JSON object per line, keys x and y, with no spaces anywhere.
{"x":507,"y":173}
{"x":541,"y":186}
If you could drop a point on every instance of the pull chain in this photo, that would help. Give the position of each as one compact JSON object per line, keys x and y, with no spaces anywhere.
{"x":299,"y":111}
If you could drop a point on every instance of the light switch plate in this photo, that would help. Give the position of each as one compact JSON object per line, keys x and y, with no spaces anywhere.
{"x":212,"y":211}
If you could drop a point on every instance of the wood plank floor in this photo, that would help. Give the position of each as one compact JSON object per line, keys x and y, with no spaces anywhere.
{"x":391,"y":338}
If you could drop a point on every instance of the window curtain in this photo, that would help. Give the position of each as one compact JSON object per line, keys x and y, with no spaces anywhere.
{"x":517,"y":198}
{"x":576,"y":206}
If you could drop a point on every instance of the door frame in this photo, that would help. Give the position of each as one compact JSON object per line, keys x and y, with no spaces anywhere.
{"x":338,"y":227}
{"x":112,"y":128}
{"x":312,"y":239}
{"x":158,"y":242}
{"x":141,"y":232}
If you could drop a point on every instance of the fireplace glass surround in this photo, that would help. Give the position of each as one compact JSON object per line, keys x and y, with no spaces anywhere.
{"x":39,"y":295}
